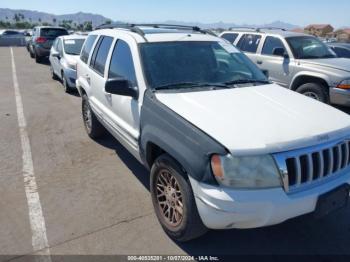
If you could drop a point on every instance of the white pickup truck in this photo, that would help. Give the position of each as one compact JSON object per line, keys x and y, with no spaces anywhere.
{"x":225,"y":147}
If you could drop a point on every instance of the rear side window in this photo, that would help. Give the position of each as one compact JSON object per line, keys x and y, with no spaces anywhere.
{"x":53,"y":32}
{"x":122,"y":64}
{"x":87,"y":48}
{"x":270,"y":44}
{"x":249,"y":43}
{"x":231,"y":37}
{"x":98,"y":61}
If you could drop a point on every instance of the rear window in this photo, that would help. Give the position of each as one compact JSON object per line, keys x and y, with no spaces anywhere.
{"x":231,"y":37}
{"x":53,"y":32}
{"x":249,"y":43}
{"x":73,"y":46}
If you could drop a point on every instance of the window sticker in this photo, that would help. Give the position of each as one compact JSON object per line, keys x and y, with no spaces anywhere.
{"x":69,"y":42}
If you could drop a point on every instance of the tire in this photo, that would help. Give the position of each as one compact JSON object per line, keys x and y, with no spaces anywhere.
{"x":38,"y":59}
{"x":53,"y":75}
{"x":169,"y":201}
{"x":92,"y":126}
{"x":65,"y":84}
{"x":315,"y":91}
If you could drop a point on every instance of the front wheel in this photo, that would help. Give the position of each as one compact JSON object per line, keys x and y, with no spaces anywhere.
{"x":315,"y":91}
{"x":92,"y":126}
{"x":173,"y":200}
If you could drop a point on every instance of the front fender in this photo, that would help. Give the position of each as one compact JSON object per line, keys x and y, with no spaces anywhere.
{"x":305,"y":73}
{"x":190,"y":146}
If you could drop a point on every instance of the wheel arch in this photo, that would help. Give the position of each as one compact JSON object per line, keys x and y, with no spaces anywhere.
{"x":304,"y":78}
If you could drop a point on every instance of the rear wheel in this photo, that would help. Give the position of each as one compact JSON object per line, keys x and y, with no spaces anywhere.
{"x":66,"y":86}
{"x":38,"y":58}
{"x":315,"y":91}
{"x":92,"y":126}
{"x":173,"y":200}
{"x":31,"y":53}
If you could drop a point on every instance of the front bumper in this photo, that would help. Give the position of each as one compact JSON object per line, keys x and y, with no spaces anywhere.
{"x":339,"y":96}
{"x":223,"y":208}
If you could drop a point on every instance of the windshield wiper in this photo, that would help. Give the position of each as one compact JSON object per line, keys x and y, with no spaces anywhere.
{"x":246,"y":81}
{"x":185,"y":85}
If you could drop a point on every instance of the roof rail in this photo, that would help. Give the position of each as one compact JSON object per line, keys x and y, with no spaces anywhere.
{"x":257,"y":29}
{"x":136,"y":27}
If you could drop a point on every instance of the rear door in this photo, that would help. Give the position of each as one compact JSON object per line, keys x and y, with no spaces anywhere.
{"x":83,"y":70}
{"x":280,"y":68}
{"x":99,"y":100}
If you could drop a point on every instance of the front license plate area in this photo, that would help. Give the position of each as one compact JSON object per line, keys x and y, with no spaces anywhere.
{"x":332,"y":201}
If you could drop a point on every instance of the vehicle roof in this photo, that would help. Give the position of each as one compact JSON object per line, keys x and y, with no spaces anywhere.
{"x":51,"y":27}
{"x":279,"y":32}
{"x":71,"y":37}
{"x":160,"y":35}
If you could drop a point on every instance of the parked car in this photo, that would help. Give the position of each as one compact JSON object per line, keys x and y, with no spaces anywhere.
{"x":63,"y":58}
{"x":28,"y":37}
{"x":341,"y":49}
{"x":42,"y":39}
{"x":11,"y":34}
{"x":225,"y":147}
{"x":297,"y":61}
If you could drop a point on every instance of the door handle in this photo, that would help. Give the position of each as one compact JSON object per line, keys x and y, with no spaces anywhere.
{"x":259,"y":62}
{"x":87,"y":77}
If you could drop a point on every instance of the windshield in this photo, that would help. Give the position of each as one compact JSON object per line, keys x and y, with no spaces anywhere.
{"x":73,"y":46}
{"x":308,"y":47}
{"x":170,"y":65}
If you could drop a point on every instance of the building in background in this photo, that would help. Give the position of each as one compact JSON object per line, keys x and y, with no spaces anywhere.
{"x":320,"y":30}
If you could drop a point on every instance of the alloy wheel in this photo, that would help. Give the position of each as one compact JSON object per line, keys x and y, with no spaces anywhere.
{"x":169,"y":198}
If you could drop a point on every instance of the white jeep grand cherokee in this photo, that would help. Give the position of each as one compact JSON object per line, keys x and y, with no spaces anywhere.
{"x":225,"y":147}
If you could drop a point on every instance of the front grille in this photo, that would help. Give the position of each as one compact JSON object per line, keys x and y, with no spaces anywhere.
{"x":303,"y":167}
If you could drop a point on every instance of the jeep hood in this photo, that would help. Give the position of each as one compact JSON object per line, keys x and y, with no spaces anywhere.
{"x":335,"y":63}
{"x":260,"y":119}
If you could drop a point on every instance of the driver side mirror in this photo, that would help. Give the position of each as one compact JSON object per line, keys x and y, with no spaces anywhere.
{"x":280,"y":51}
{"x":120,"y":86}
{"x":56,"y":54}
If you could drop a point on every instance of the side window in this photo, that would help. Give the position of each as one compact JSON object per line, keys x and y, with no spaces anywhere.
{"x":59,"y":47}
{"x":100,"y":58}
{"x":270,"y":44}
{"x":342,"y":52}
{"x":122,"y":64}
{"x":231,"y":37}
{"x":249,"y":43}
{"x":87,"y":48}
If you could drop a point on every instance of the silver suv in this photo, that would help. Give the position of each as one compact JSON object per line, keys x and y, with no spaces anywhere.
{"x":297,"y":61}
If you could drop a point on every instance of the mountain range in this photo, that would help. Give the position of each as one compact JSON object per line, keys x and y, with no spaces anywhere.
{"x":7,"y":15}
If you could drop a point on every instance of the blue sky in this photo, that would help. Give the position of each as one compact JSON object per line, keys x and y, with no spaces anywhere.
{"x":299,"y":12}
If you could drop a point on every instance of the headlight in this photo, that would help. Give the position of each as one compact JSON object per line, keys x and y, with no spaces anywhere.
{"x":246,"y":172}
{"x":345,"y":84}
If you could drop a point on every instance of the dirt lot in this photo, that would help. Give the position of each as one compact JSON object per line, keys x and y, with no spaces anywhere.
{"x":95,"y":195}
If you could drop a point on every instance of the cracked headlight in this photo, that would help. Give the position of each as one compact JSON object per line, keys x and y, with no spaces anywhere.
{"x":246,"y":172}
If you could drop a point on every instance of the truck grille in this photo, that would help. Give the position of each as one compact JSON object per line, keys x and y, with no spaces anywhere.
{"x":306,"y":166}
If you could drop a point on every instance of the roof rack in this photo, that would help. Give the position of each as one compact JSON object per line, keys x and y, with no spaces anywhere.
{"x":257,"y":29}
{"x":136,"y":28}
